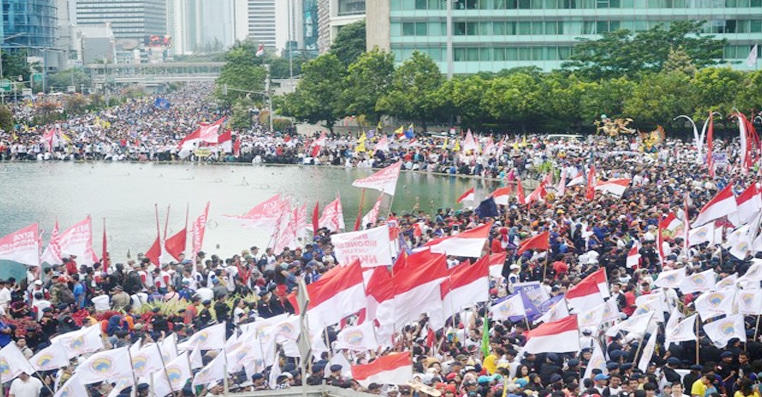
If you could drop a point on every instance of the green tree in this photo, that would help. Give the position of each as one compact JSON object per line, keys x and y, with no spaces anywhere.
{"x":15,"y":64}
{"x":243,"y":71}
{"x":413,"y":93}
{"x":517,"y":99}
{"x":750,"y":96}
{"x":281,"y":67}
{"x":622,"y":53}
{"x":242,"y":116}
{"x":660,"y":97}
{"x":316,"y":96}
{"x":76,"y":77}
{"x":349,"y":43}
{"x":462,"y":97}
{"x":6,"y":119}
{"x":717,"y":89}
{"x":368,"y":78}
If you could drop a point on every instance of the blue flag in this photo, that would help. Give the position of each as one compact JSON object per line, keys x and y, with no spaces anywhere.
{"x":162,"y":103}
{"x":410,"y":132}
{"x":487,"y":208}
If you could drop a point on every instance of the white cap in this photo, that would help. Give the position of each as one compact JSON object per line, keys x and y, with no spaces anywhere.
{"x":37,"y":282}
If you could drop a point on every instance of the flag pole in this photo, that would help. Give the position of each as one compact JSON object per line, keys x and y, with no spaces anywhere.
{"x":129,"y":353}
{"x":756,"y":328}
{"x":697,"y":340}
{"x":358,"y":221}
{"x":164,"y":365}
{"x":105,"y":258}
{"x":158,"y":227}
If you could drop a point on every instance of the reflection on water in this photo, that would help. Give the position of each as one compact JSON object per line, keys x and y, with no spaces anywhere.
{"x":124,"y":194}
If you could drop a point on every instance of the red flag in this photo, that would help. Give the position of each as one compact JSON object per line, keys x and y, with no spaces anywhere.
{"x":520,"y":192}
{"x":175,"y":245}
{"x":538,"y":242}
{"x":710,"y":145}
{"x":467,"y":196}
{"x":316,"y":218}
{"x":105,"y":259}
{"x":237,"y":147}
{"x":154,"y":252}
{"x":590,"y":191}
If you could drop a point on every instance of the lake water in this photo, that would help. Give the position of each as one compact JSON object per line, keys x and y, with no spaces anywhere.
{"x":125,"y":193}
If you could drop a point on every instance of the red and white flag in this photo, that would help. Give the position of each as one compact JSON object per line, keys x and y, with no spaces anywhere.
{"x":22,"y":246}
{"x":588,"y":293}
{"x":380,"y":297}
{"x":372,"y":216}
{"x":748,"y":205}
{"x":467,"y":196}
{"x":501,"y":195}
{"x":52,"y":254}
{"x":540,"y":242}
{"x":723,"y":204}
{"x":538,"y":194}
{"x":469,"y":243}
{"x":78,"y":240}
{"x":417,"y":289}
{"x":337,"y":294}
{"x":469,"y":144}
{"x":209,"y":133}
{"x":394,"y":369}
{"x":561,"y":188}
{"x":579,"y":179}
{"x":520,"y":197}
{"x":466,"y":286}
{"x":591,"y":182}
{"x":198,"y":229}
{"x":333,"y":216}
{"x":616,"y":187}
{"x":382,"y":144}
{"x":260,"y":50}
{"x":264,"y":215}
{"x":633,"y":257}
{"x":556,"y":337}
{"x":225,"y":141}
{"x":384,"y":180}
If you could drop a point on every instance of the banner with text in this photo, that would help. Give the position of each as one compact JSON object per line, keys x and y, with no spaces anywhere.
{"x":23,"y":246}
{"x":370,"y":247}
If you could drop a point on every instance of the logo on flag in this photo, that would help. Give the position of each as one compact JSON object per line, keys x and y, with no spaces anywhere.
{"x":715,"y":299}
{"x":76,"y":343}
{"x":284,"y":329}
{"x":698,"y":280}
{"x":671,"y":278}
{"x":5,"y":368}
{"x":139,"y":362}
{"x":102,"y":365}
{"x":44,"y":360}
{"x":242,"y":352}
{"x":175,"y":374}
{"x":728,"y":328}
{"x":678,"y":329}
{"x":747,"y":298}
{"x":354,"y":338}
{"x":506,"y":308}
{"x":202,"y":337}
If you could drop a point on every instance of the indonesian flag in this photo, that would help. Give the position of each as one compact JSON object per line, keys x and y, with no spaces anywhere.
{"x":416,"y":289}
{"x":591,"y":182}
{"x":540,"y":242}
{"x":748,"y":205}
{"x":190,"y":142}
{"x":52,"y":254}
{"x":556,"y":337}
{"x":633,"y":257}
{"x":225,"y":140}
{"x":339,"y":293}
{"x":561,"y":188}
{"x":520,"y":192}
{"x":467,"y":196}
{"x":384,"y":180}
{"x":22,"y":246}
{"x":500,"y":195}
{"x":333,"y":216}
{"x":382,"y":144}
{"x":579,"y":179}
{"x":670,"y":222}
{"x":198,"y":229}
{"x":538,"y":194}
{"x":496,"y":264}
{"x":724,"y":203}
{"x":614,"y":186}
{"x":468,"y":285}
{"x":287,"y":235}
{"x":469,"y":143}
{"x":394,"y":369}
{"x":379,"y":291}
{"x":372,"y":216}
{"x":721,"y":331}
{"x":260,"y":50}
{"x":78,"y":240}
{"x":589,"y":292}
{"x":469,"y":243}
{"x":317,"y":144}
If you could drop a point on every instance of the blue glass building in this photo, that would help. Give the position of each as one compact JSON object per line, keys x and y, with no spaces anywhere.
{"x":28,"y":23}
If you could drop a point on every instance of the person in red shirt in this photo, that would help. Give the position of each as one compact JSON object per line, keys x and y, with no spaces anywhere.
{"x":629,"y":298}
{"x":560,"y":267}
{"x":71,"y":265}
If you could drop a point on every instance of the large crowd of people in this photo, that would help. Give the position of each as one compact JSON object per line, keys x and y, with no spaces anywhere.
{"x":473,"y":354}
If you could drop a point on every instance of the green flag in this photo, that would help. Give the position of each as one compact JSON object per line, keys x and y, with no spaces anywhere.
{"x":485,"y":336}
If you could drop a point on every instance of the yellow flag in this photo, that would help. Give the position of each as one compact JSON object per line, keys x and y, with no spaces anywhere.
{"x":399,"y":131}
{"x":14,"y":137}
{"x":524,"y":141}
{"x":362,"y":138}
{"x":457,"y":146}
{"x":444,"y":145}
{"x":65,"y":137}
{"x":360,"y":147}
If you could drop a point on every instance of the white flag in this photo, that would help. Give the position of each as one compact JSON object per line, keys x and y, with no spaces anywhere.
{"x":105,"y":365}
{"x":682,"y":331}
{"x":196,"y":361}
{"x":591,"y":318}
{"x":713,"y":304}
{"x":13,"y":363}
{"x":357,"y":338}
{"x":754,"y":273}
{"x":178,"y":371}
{"x":670,"y":278}
{"x":699,"y":282}
{"x":81,"y":341}
{"x":634,"y":324}
{"x":648,"y":352}
{"x":72,"y":387}
{"x":209,"y":338}
{"x":557,"y":312}
{"x":703,"y":234}
{"x":50,"y":358}
{"x":610,"y":311}
{"x":726,"y":283}
{"x":651,"y":303}
{"x":751,"y":60}
{"x":147,"y":360}
{"x":597,"y":360}
{"x":213,"y":371}
{"x":748,"y":302}
{"x":513,"y":306}
{"x":723,"y":330}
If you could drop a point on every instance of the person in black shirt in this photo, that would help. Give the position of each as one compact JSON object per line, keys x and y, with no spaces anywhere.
{"x":221,"y":309}
{"x":205,"y":316}
{"x":159,"y":324}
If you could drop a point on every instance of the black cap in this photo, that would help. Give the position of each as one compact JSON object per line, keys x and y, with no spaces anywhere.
{"x":335,"y":367}
{"x":143,"y":386}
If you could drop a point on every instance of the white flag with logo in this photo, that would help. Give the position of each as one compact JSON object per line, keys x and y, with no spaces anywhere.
{"x":209,"y":338}
{"x":681,"y":331}
{"x":513,"y":306}
{"x":723,"y":330}
{"x":648,"y":352}
{"x":729,"y":282}
{"x":357,"y":338}
{"x":634,"y":324}
{"x":81,"y":341}
{"x":699,"y":282}
{"x":213,"y":372}
{"x":715,"y":303}
{"x":611,"y":311}
{"x":105,"y":365}
{"x":597,"y":361}
{"x":147,"y":360}
{"x":748,"y":302}
{"x":174,"y":377}
{"x":50,"y":358}
{"x":651,"y":303}
{"x":72,"y":388}
{"x":557,"y":312}
{"x":13,"y":363}
{"x":591,"y":318}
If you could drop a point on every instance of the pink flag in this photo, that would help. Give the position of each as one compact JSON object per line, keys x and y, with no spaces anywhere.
{"x":78,"y":240}
{"x":265,"y":215}
{"x":372,"y":216}
{"x":382,"y":144}
{"x":52,"y":254}
{"x":333,"y":216}
{"x":198,"y":229}
{"x":561,"y":188}
{"x":384,"y":180}
{"x":22,"y":246}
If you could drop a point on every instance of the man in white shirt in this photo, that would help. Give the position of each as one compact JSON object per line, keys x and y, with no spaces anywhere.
{"x":25,"y":386}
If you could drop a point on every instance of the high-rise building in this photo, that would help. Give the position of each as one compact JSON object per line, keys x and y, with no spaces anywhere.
{"x":334,"y":15}
{"x":184,"y":25}
{"x":129,"y":19}
{"x":269,"y":23}
{"x":29,"y":23}
{"x":491,"y":35}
